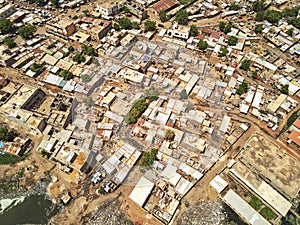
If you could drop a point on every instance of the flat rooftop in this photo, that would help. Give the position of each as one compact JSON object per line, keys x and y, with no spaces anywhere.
{"x":18,"y":99}
{"x":277,"y":168}
{"x":243,"y":209}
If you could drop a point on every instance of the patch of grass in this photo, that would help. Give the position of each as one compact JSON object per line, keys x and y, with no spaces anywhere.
{"x":255,"y":203}
{"x":290,"y":121}
{"x":267,"y":213}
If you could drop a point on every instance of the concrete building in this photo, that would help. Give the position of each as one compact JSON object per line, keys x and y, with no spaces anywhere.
{"x":179,"y":31}
{"x":63,"y":29}
{"x":6,"y":11}
{"x":110,"y":8}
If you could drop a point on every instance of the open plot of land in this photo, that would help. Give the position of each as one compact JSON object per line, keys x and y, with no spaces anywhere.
{"x":274,"y":165}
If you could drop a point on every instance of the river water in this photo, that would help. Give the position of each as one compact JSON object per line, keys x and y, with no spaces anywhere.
{"x":35,"y":209}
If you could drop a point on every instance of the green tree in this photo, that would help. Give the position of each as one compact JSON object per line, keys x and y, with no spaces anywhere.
{"x":258,"y":28}
{"x":88,"y":50}
{"x":202,"y":45}
{"x":285,"y":89}
{"x":227,"y":28}
{"x":232,"y":40}
{"x":126,"y":10}
{"x":223,"y":52}
{"x":273,"y":16}
{"x":37,"y":68}
{"x":163,"y":16}
{"x":254,"y":74}
{"x":10,"y":42}
{"x":71,"y":49}
{"x":135,"y":25}
{"x":125,"y":23}
{"x":117,"y":27}
{"x":86,"y":78}
{"x":183,"y":94}
{"x":151,"y":94}
{"x":295,"y":22}
{"x":222,"y":26}
{"x":148,"y":158}
{"x":88,"y":101}
{"x":258,"y":5}
{"x":79,"y":58}
{"x":234,"y":6}
{"x":181,"y":16}
{"x":66,"y":74}
{"x":169,"y":135}
{"x":6,"y":135}
{"x":245,"y":65}
{"x":139,"y":106}
{"x":27,"y":31}
{"x":149,"y":25}
{"x":184,"y":2}
{"x":290,"y":32}
{"x":243,"y":88}
{"x":260,"y":16}
{"x":291,"y":12}
{"x":194,"y":30}
{"x":55,"y":2}
{"x":5,"y":26}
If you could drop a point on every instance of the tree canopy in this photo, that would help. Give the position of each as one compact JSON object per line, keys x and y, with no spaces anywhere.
{"x":148,"y":158}
{"x":66,"y":74}
{"x":169,"y":135}
{"x":5,"y":134}
{"x":139,"y":106}
{"x":223,"y":52}
{"x":183,"y":94}
{"x":245,"y":65}
{"x":79,"y":58}
{"x":258,"y":28}
{"x":273,"y":16}
{"x":151,"y":94}
{"x":88,"y":50}
{"x":260,"y":16}
{"x":85,"y":78}
{"x":10,"y":42}
{"x":202,"y":45}
{"x":135,"y":25}
{"x":150,"y":25}
{"x":88,"y":101}
{"x":232,"y":40}
{"x":163,"y":16}
{"x":181,"y":17}
{"x":285,"y":89}
{"x":5,"y":26}
{"x":27,"y":31}
{"x":258,"y":5}
{"x":125,"y":23}
{"x":243,"y":88}
{"x":194,"y":30}
{"x":37,"y":68}
{"x":234,"y":6}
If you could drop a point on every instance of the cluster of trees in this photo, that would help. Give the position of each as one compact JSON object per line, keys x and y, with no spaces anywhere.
{"x":88,"y":50}
{"x":88,"y":101}
{"x":125,"y":23}
{"x":242,"y":89}
{"x":182,"y":17}
{"x":183,"y":94}
{"x":5,"y":26}
{"x":185,"y":2}
{"x":285,"y":89}
{"x":10,"y":42}
{"x":245,"y":65}
{"x":223,"y":52}
{"x":194,"y":31}
{"x":27,"y":31}
{"x":86,"y":78}
{"x":6,"y":135}
{"x":149,"y":25}
{"x":202,"y":45}
{"x":234,"y":6}
{"x":232,"y":40}
{"x":37,"y":68}
{"x":151,"y":94}
{"x":225,"y":27}
{"x":148,"y":158}
{"x":139,"y":106}
{"x":273,"y":16}
{"x":163,"y":16}
{"x":79,"y":58}
{"x":66,"y":74}
{"x":258,"y":28}
{"x":169,"y":135}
